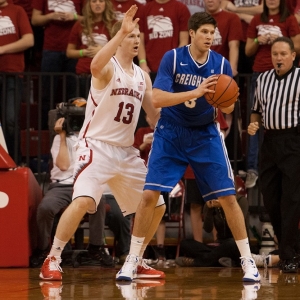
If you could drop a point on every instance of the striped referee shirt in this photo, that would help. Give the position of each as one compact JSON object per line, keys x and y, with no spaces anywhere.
{"x":277,"y":99}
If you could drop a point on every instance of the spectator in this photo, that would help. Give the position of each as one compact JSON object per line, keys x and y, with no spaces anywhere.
{"x":33,"y":54}
{"x":87,"y":38}
{"x":121,"y":6}
{"x":276,"y":108}
{"x":194,"y":6}
{"x":59,"y":196}
{"x":245,"y":10}
{"x":57,"y":18}
{"x":16,"y":36}
{"x":163,"y":26}
{"x":264,"y":28}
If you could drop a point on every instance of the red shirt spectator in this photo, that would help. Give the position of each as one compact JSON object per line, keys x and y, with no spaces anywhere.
{"x":161,"y":25}
{"x":194,"y":5}
{"x":122,"y":6}
{"x":101,"y":37}
{"x":226,"y":31}
{"x":14,"y":24}
{"x":56,"y":34}
{"x":289,"y":28}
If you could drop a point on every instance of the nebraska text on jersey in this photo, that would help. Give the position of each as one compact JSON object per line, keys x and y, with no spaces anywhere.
{"x":127,"y":92}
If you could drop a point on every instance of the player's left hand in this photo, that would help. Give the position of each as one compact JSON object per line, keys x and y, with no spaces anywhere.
{"x":227,"y":110}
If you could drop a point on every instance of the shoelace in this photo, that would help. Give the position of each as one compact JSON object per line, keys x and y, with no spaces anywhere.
{"x":54,"y":265}
{"x":130,"y":260}
{"x":145,"y":266}
{"x":247,"y":262}
{"x":264,"y":260}
{"x":260,"y":260}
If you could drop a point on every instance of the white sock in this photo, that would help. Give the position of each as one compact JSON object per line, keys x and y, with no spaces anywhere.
{"x":244,"y":247}
{"x":142,"y":251}
{"x":57,"y":247}
{"x":136,"y":245}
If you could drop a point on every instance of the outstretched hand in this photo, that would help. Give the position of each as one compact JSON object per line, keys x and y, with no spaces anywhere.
{"x":128,"y":24}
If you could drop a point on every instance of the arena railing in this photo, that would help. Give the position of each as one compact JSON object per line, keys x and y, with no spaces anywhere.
{"x":33,"y":142}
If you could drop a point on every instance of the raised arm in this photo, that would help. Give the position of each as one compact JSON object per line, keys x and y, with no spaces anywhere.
{"x":101,"y":68}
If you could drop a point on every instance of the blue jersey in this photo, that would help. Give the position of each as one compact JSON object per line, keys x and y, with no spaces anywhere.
{"x":179,"y":72}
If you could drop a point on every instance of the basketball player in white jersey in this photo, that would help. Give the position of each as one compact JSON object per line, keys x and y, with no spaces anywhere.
{"x":104,"y":150}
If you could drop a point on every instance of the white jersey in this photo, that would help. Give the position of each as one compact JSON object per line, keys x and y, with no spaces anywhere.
{"x":112,"y":114}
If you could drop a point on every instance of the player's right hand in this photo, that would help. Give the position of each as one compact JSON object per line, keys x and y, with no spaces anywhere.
{"x":205,"y":85}
{"x":252,"y":128}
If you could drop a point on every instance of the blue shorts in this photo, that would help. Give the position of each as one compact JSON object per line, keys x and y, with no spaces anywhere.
{"x":174,"y":147}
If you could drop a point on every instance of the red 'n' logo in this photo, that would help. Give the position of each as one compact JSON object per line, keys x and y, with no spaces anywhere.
{"x":81,"y":157}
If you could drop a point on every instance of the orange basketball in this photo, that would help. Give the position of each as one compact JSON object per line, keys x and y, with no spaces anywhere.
{"x":226,"y":92}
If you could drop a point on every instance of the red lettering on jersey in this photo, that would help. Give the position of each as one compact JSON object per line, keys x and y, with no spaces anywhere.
{"x":125,"y":91}
{"x":82,"y":157}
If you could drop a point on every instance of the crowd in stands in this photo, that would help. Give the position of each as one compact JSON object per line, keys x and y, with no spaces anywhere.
{"x":64,"y":36}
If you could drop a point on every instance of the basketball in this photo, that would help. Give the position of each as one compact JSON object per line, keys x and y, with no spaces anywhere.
{"x":226,"y":92}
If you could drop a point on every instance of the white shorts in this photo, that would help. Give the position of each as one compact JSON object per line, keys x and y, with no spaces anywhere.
{"x":98,"y":163}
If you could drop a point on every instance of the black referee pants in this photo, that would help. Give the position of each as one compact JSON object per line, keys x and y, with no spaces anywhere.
{"x":280,"y":182}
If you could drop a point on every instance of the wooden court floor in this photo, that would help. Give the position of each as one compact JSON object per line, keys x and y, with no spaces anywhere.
{"x":92,"y":282}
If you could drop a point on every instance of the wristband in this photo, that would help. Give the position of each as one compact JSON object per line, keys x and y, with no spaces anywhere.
{"x":81,"y":53}
{"x":256,"y":40}
{"x":75,"y":16}
{"x":142,"y":61}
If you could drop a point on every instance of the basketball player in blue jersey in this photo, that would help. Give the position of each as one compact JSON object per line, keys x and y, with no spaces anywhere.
{"x":187,"y":133}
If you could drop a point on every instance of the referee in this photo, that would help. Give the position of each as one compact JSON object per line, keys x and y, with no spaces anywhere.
{"x":276,"y":108}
